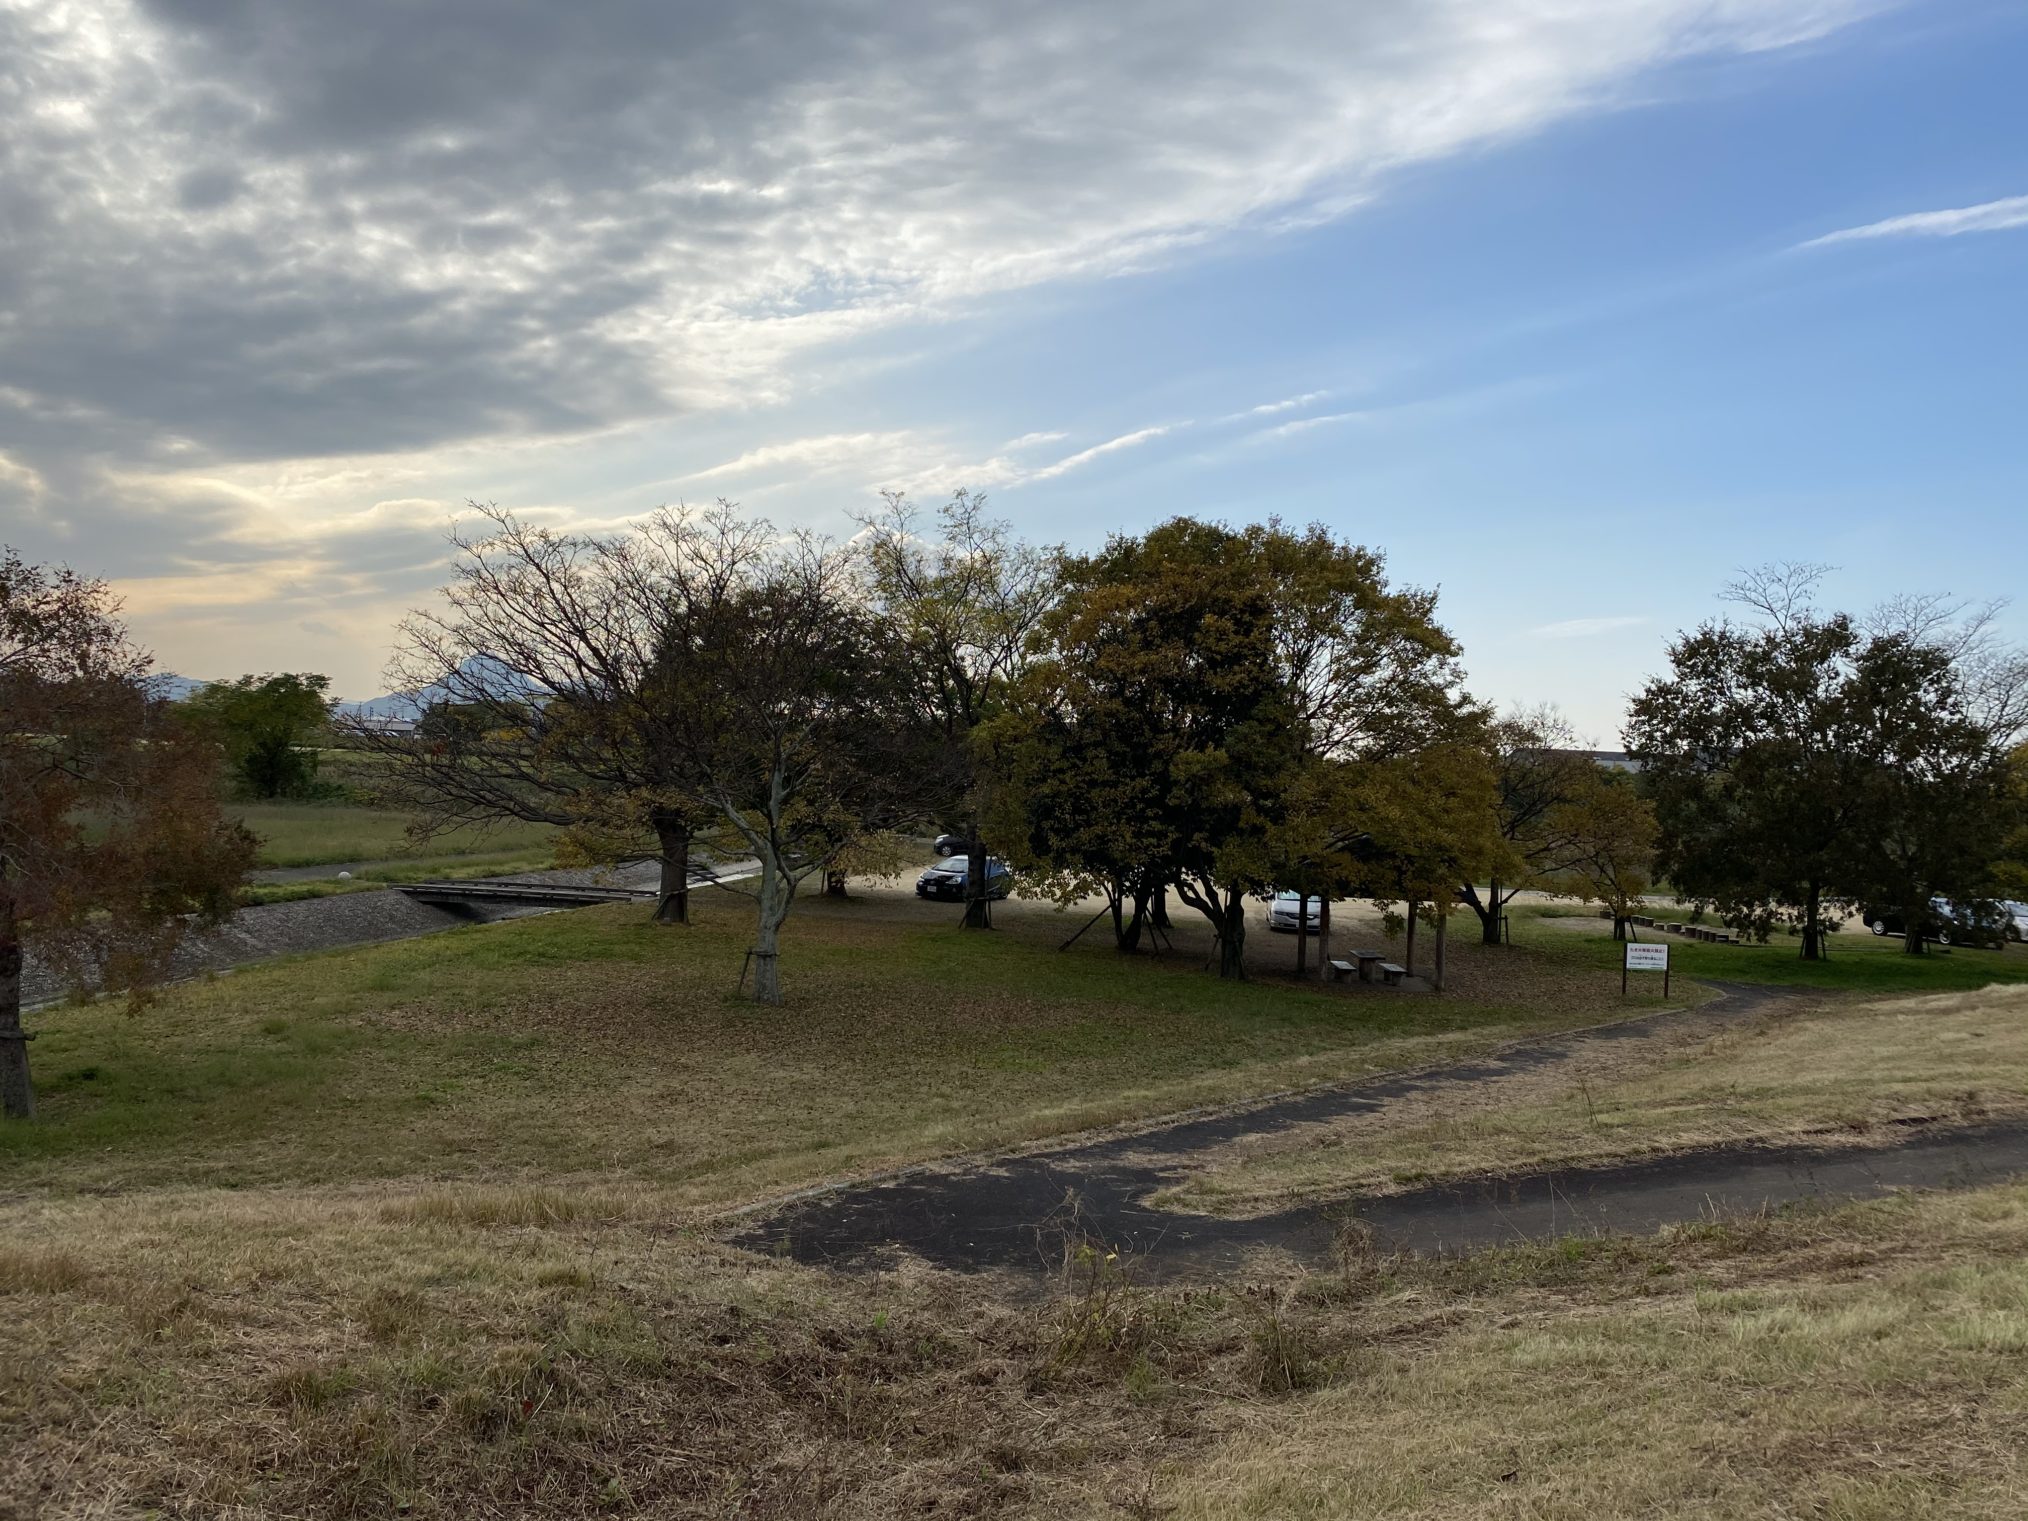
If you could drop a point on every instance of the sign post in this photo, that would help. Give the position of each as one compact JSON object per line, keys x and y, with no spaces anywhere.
{"x":1645,"y":958}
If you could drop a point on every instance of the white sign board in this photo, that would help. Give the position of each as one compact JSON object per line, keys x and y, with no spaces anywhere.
{"x":1647,"y":958}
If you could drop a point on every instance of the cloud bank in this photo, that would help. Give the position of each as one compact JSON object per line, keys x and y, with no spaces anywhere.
{"x":240,"y":239}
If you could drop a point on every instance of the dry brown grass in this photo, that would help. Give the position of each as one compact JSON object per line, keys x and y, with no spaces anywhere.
{"x":379,"y":1352}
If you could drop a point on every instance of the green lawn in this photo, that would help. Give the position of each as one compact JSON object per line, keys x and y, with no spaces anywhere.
{"x":1858,"y":962}
{"x":596,"y":1043}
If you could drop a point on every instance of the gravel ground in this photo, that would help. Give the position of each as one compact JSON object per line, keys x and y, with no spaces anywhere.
{"x":329,"y":924}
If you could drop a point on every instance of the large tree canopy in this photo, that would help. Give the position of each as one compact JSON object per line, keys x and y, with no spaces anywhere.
{"x":269,"y":727}
{"x":1194,"y":691}
{"x":1806,"y":762}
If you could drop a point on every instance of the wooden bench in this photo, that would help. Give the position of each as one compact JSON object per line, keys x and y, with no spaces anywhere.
{"x":1393,"y":973}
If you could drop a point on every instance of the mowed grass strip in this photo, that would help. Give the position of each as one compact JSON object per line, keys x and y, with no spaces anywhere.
{"x":597,"y":1044}
{"x":1833,"y":1073}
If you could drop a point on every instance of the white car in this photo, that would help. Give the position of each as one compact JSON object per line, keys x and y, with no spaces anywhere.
{"x":1283,"y":908}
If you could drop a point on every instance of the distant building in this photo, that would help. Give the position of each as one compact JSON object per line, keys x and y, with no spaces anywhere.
{"x":382,"y":723}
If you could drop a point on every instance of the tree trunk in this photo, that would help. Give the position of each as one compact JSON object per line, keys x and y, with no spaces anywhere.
{"x":672,"y":838}
{"x":1323,"y":936}
{"x":777,"y":893}
{"x":1129,"y":939}
{"x":834,"y":884}
{"x":17,"y":1093}
{"x":1813,"y":928}
{"x":978,"y":907}
{"x":1160,"y":918}
{"x":1303,"y":935}
{"x":1408,"y":956}
{"x":1489,"y":914}
{"x":1232,"y":939}
{"x":1619,"y":925}
{"x":1438,"y":983}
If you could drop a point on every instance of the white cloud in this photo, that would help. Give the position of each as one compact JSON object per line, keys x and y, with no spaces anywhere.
{"x":824,"y":455}
{"x":1288,"y":404}
{"x":1988,"y":216}
{"x":1585,"y":628}
{"x":1098,"y":451}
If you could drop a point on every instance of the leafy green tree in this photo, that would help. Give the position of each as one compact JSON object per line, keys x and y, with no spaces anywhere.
{"x":1196,"y":696}
{"x":268,"y":726}
{"x":2010,"y":871}
{"x":1539,"y":769}
{"x":1610,"y":857}
{"x":112,"y":846}
{"x":1935,"y":794}
{"x":1156,"y":693}
{"x":1805,"y":762}
{"x":961,"y":597}
{"x":1430,"y":825}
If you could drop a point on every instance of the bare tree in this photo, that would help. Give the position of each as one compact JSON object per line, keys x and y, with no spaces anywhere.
{"x":807,"y":744}
{"x":112,"y":846}
{"x":543,"y":688}
{"x":1991,"y":671}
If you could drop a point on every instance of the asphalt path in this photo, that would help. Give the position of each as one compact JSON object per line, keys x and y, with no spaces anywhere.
{"x":1017,"y":1212}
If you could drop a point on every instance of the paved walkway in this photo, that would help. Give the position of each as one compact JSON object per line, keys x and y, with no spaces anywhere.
{"x":1011,"y":1213}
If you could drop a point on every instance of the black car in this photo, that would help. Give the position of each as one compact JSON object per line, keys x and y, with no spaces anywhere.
{"x":1986,"y":924}
{"x":946,"y":879}
{"x":950,"y":844}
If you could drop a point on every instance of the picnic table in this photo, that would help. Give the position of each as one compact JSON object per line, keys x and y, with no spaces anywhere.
{"x":1361,"y":961}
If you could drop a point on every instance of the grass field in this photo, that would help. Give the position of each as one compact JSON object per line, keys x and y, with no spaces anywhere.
{"x":420,"y":1230}
{"x":318,"y":834}
{"x":1858,"y":961}
{"x":1836,"y":1073}
{"x":597,"y":1044}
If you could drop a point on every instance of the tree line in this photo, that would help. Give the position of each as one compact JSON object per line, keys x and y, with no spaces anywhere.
{"x":1197,"y":716}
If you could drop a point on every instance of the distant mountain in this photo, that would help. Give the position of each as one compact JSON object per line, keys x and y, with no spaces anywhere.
{"x":481,"y":674}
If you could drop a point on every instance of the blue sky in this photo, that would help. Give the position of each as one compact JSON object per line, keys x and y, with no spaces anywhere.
{"x":1562,"y":343}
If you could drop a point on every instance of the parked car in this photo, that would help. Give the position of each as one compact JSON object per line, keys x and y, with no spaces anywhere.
{"x":950,"y":844}
{"x":2014,"y":913}
{"x":1285,"y":906}
{"x":1985,"y":923}
{"x":946,"y":879}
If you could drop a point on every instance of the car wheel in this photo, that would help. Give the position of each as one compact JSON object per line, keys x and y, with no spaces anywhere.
{"x":1942,"y":937}
{"x":1878,"y":926}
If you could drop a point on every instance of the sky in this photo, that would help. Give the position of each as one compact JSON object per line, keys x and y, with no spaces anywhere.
{"x":1574,"y":308}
